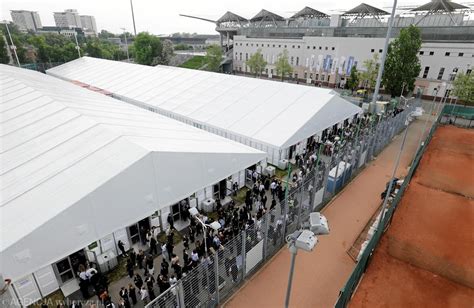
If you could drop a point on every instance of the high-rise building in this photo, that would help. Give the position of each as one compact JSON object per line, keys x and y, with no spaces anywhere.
{"x":26,"y":20}
{"x":68,"y":18}
{"x":88,"y":23}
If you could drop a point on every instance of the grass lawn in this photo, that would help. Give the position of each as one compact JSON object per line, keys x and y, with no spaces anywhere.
{"x":195,"y":62}
{"x":240,"y":197}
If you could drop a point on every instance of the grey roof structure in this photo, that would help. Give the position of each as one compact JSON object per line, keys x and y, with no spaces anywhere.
{"x":440,"y":6}
{"x":364,"y":9}
{"x":231,"y":17}
{"x":265,"y":15}
{"x":308,"y":12}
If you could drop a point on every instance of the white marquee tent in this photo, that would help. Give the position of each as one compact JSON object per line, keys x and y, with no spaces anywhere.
{"x":267,"y":115}
{"x":77,"y":165}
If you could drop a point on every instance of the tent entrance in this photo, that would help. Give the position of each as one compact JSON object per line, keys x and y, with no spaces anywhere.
{"x":67,"y":268}
{"x":138,"y":231}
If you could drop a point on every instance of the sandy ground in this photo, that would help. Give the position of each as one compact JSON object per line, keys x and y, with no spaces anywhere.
{"x":389,"y":282}
{"x":426,"y":257}
{"x":320,"y":275}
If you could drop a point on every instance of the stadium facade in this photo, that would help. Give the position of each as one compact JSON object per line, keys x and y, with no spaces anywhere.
{"x":323,"y":48}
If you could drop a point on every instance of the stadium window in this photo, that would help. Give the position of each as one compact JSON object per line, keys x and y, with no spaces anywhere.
{"x":431,"y":53}
{"x":291,"y":62}
{"x":326,"y":48}
{"x":307,"y":47}
{"x":425,"y":72}
{"x":271,"y":71}
{"x":251,"y":45}
{"x":310,"y":75}
{"x":461,"y":54}
{"x":320,"y":47}
{"x":246,"y":58}
{"x":293,"y":46}
{"x":447,"y":54}
{"x":305,"y":75}
{"x":268,"y":45}
{"x":236,"y":54}
{"x":273,"y":45}
{"x":422,"y":53}
{"x":240,"y":57}
{"x":333,"y":48}
{"x":279,"y":46}
{"x":440,"y":74}
{"x":314,"y":47}
{"x":316,"y":77}
{"x":380,"y":50}
{"x":297,"y":60}
{"x":299,"y":46}
{"x":372,"y":50}
{"x":285,"y":46}
{"x":246,"y":44}
{"x":257,"y":45}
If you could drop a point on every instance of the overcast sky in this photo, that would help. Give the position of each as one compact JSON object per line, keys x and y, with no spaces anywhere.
{"x":162,"y":16}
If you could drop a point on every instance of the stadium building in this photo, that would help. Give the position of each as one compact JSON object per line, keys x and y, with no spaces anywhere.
{"x":322,"y":48}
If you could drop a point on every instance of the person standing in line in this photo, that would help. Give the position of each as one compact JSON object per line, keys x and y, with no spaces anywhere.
{"x":144,"y":295}
{"x":140,"y":258}
{"x":170,"y":221}
{"x":138,"y":281}
{"x":132,"y":293}
{"x":153,"y":244}
{"x":121,"y":246}
{"x":130,"y":268}
{"x":125,"y":302}
{"x":164,"y":251}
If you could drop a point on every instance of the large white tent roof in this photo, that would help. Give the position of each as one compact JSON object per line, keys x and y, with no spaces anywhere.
{"x":77,"y":165}
{"x":272,"y":113}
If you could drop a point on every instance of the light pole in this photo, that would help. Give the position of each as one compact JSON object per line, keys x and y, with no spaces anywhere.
{"x":306,"y":240}
{"x":126,"y":43}
{"x":133,"y":18}
{"x":77,"y":44}
{"x":390,"y":185}
{"x":384,"y":55}
{"x":12,"y":44}
{"x":435,"y":92}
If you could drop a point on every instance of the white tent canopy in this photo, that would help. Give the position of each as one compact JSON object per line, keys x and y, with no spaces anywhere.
{"x":77,"y":165}
{"x":257,"y":112}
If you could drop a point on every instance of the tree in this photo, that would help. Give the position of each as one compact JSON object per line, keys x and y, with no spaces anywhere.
{"x":353,"y":80}
{"x":282,"y":65}
{"x":464,"y":87}
{"x":402,"y":65}
{"x":213,"y":58}
{"x":256,"y":63}
{"x":167,"y":53}
{"x":182,"y":46}
{"x":369,"y":75}
{"x":4,"y":58}
{"x":147,"y":48}
{"x":104,"y":34}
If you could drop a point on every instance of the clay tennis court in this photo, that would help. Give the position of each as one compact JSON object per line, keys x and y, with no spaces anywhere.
{"x":320,"y":275}
{"x":426,"y":258}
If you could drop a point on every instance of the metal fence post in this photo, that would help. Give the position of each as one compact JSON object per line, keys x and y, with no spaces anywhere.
{"x":180,"y":293}
{"x":216,"y":268}
{"x":244,"y":252}
{"x":265,"y":237}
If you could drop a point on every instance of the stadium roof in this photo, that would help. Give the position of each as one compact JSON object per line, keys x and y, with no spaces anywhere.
{"x":265,"y":15}
{"x":78,"y":165}
{"x":440,"y":6}
{"x":308,"y":12}
{"x":229,"y":16}
{"x":365,"y":9}
{"x":271,"y":113}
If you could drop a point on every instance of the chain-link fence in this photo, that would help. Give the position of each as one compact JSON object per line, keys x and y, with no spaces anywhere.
{"x":219,"y":275}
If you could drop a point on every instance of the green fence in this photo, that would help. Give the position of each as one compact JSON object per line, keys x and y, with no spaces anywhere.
{"x":351,"y":284}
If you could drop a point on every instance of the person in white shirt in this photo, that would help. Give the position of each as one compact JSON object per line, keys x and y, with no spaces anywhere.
{"x":144,"y":294}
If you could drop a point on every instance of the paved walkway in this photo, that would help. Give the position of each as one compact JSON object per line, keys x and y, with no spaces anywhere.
{"x":319,"y":275}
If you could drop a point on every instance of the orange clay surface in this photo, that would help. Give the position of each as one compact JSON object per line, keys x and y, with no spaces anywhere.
{"x":426,"y":259}
{"x":320,"y":275}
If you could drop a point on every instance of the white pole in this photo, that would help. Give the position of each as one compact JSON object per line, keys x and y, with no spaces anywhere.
{"x":384,"y":55}
{"x":126,"y":43}
{"x":13,"y":45}
{"x":77,"y":44}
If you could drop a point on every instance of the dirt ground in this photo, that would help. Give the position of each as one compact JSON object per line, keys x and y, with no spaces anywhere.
{"x":426,"y":259}
{"x":321,"y":274}
{"x":389,"y":282}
